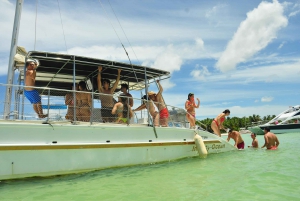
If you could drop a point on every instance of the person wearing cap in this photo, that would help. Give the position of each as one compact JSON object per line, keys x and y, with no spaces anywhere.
{"x":254,"y":141}
{"x":124,"y":89}
{"x":150,"y":106}
{"x":159,"y":102}
{"x":236,"y":136}
{"x":107,"y":101}
{"x":30,"y":93}
{"x":190,"y":106}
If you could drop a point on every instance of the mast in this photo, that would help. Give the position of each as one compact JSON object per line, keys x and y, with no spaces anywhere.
{"x":13,"y":50}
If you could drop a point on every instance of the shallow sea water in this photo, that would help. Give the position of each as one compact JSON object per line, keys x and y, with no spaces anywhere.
{"x":250,"y":174}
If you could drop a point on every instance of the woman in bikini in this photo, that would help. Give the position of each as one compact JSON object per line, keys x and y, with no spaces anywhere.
{"x":190,"y":106}
{"x":84,"y":100}
{"x":122,"y":109}
{"x":217,"y":123}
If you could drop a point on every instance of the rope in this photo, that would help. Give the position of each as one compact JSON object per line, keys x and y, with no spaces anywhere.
{"x":62,"y":26}
{"x":118,"y":37}
{"x":36,"y":7}
{"x":124,"y":32}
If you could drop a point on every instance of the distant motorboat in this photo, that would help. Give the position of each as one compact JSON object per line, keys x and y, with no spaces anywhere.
{"x":286,"y":122}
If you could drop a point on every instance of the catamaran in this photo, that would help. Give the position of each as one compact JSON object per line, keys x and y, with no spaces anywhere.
{"x":35,"y":147}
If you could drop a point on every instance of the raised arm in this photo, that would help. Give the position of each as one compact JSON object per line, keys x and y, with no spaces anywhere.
{"x":197,"y":106}
{"x":160,"y":88}
{"x":116,"y":82}
{"x":100,"y":87}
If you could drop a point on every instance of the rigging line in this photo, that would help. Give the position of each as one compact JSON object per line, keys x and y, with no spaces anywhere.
{"x":119,"y":39}
{"x":62,"y":26}
{"x":36,"y":7}
{"x":123,"y":31}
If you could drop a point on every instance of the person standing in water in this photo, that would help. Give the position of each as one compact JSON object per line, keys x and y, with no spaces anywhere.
{"x":107,"y":102}
{"x":190,"y":106}
{"x":254,"y":141}
{"x":217,"y":123}
{"x":236,"y":136}
{"x":271,"y":140}
{"x":30,"y":93}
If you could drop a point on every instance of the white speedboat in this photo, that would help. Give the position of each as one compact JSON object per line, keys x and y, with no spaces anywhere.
{"x":33,"y":147}
{"x":286,"y":122}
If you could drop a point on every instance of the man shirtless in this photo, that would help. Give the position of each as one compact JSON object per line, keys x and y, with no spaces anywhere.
{"x":271,"y":140}
{"x":236,"y":136}
{"x":124,"y":89}
{"x":107,"y":102}
{"x":149,"y":105}
{"x":30,"y":93}
{"x":159,"y":102}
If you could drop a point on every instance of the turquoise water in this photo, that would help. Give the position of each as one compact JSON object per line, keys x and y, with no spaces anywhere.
{"x":251,"y":174}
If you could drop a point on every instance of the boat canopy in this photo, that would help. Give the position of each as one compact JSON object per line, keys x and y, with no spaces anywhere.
{"x":56,"y":70}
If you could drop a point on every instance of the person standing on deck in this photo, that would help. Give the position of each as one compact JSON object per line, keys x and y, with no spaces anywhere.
{"x":236,"y":136}
{"x":69,"y":101}
{"x":30,"y":93}
{"x":107,"y":102}
{"x":150,"y":106}
{"x":159,"y":102}
{"x":217,"y":123}
{"x":124,"y":89}
{"x":84,"y":103}
{"x":254,"y":141}
{"x":271,"y":140}
{"x":190,"y":106}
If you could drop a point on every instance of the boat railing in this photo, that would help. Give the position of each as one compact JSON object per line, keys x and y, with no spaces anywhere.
{"x":58,"y":105}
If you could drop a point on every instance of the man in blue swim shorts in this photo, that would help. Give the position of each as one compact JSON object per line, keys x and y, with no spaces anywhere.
{"x":30,"y":93}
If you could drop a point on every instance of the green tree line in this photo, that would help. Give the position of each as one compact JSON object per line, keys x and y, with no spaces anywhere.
{"x":235,"y":123}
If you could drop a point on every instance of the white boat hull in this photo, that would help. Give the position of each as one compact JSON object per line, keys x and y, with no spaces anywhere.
{"x":277,"y":129}
{"x":35,"y":149}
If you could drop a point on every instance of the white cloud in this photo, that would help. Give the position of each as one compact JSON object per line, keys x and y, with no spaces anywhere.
{"x":294,"y":13}
{"x":200,"y":43}
{"x":281,"y":45}
{"x":200,"y":74}
{"x":214,"y":10}
{"x":267,"y":99}
{"x":253,"y":34}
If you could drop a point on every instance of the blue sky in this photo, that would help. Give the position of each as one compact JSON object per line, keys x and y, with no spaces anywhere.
{"x":237,"y":55}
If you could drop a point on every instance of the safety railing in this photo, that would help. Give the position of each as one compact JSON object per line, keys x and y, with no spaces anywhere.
{"x":49,"y":104}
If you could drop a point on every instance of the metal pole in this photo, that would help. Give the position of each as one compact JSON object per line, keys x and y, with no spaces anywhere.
{"x":74,"y":88}
{"x":13,"y":49}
